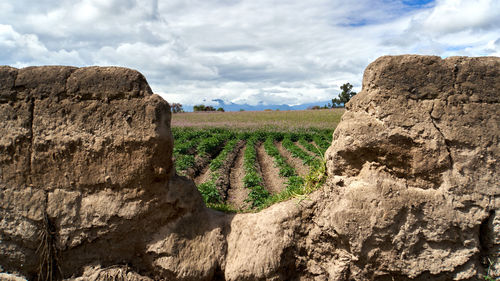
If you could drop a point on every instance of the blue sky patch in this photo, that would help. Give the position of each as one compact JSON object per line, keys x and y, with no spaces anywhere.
{"x":417,"y":3}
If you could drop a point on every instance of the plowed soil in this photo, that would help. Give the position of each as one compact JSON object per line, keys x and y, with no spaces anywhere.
{"x":199,"y":164}
{"x":237,"y":193}
{"x":272,"y":181}
{"x":305,"y":149}
{"x":204,"y":175}
{"x":224,"y":181}
{"x":296,"y":163}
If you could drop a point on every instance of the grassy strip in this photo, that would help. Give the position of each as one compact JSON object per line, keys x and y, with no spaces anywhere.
{"x":183,"y":162}
{"x":208,"y":189}
{"x":321,"y":143}
{"x":219,"y":160}
{"x":285,"y":169}
{"x":296,"y":185}
{"x":294,"y":182}
{"x":210,"y":145}
{"x":201,"y":143}
{"x":252,"y":180}
{"x":297,"y":152}
{"x":309,"y":146}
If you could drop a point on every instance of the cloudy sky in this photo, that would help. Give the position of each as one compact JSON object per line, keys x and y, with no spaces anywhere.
{"x":243,"y":51}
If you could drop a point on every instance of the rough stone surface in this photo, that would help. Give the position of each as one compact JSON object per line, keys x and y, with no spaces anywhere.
{"x":414,"y":163}
{"x":90,"y":150}
{"x":413,"y":187}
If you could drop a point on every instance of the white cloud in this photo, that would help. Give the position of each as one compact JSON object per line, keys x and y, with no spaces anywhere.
{"x":451,"y":16}
{"x":251,"y":51}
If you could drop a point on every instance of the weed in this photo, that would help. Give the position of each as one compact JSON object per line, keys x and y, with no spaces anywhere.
{"x":488,"y":277}
{"x":183,"y":162}
{"x":209,"y":192}
{"x":48,"y":268}
{"x":257,"y":196}
{"x":222,"y":207}
{"x":219,"y":160}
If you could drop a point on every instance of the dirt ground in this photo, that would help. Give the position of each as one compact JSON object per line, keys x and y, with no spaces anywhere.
{"x":272,"y":181}
{"x":204,"y":175}
{"x":305,"y":149}
{"x":296,"y":163}
{"x":237,"y":193}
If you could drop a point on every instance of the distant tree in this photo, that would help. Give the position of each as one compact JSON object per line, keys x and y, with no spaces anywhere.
{"x":220,"y":109}
{"x":202,"y":107}
{"x":344,"y":96}
{"x":241,"y":109}
{"x":314,"y":107}
{"x":176,"y":107}
{"x":199,"y":107}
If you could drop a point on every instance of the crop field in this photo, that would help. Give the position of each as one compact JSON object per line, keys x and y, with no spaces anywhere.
{"x":240,"y":166}
{"x":261,"y":120}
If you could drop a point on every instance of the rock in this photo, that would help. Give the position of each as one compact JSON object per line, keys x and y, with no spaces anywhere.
{"x":414,"y":168}
{"x":85,"y":152}
{"x":412,"y":192}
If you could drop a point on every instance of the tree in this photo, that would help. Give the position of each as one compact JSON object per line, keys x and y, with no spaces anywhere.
{"x":220,"y":109}
{"x":314,"y":107}
{"x":202,"y":107}
{"x":176,"y":107}
{"x":344,"y":96}
{"x":199,"y":107}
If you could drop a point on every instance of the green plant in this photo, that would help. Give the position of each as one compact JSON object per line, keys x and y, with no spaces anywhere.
{"x":309,"y":146}
{"x":183,"y":162}
{"x":488,"y":277}
{"x":299,"y":153}
{"x":252,"y":179}
{"x":316,"y":177}
{"x":321,"y":143}
{"x":223,"y":207}
{"x":219,"y":160}
{"x":257,"y":196}
{"x":209,"y":192}
{"x":285,"y":169}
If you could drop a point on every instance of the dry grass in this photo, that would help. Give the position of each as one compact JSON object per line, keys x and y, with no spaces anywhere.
{"x":48,"y":269}
{"x":273,"y":120}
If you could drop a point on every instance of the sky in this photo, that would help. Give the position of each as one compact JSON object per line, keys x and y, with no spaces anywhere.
{"x":243,"y":51}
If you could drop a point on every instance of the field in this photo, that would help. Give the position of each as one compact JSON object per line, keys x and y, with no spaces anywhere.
{"x":261,"y":120}
{"x":246,"y":161}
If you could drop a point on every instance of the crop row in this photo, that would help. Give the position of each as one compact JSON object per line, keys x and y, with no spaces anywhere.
{"x":294,"y":182}
{"x":220,"y":147}
{"x":209,"y":191}
{"x":253,"y":180}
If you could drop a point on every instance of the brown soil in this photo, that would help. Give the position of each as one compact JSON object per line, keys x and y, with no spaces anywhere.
{"x":272,"y":180}
{"x":199,"y":164}
{"x":313,"y":143}
{"x":296,"y":163}
{"x":237,"y":193}
{"x":305,"y":149}
{"x":204,"y":175}
{"x":223,"y":183}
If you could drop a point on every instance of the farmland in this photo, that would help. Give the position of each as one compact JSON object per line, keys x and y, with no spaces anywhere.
{"x":246,"y":161}
{"x":261,"y":120}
